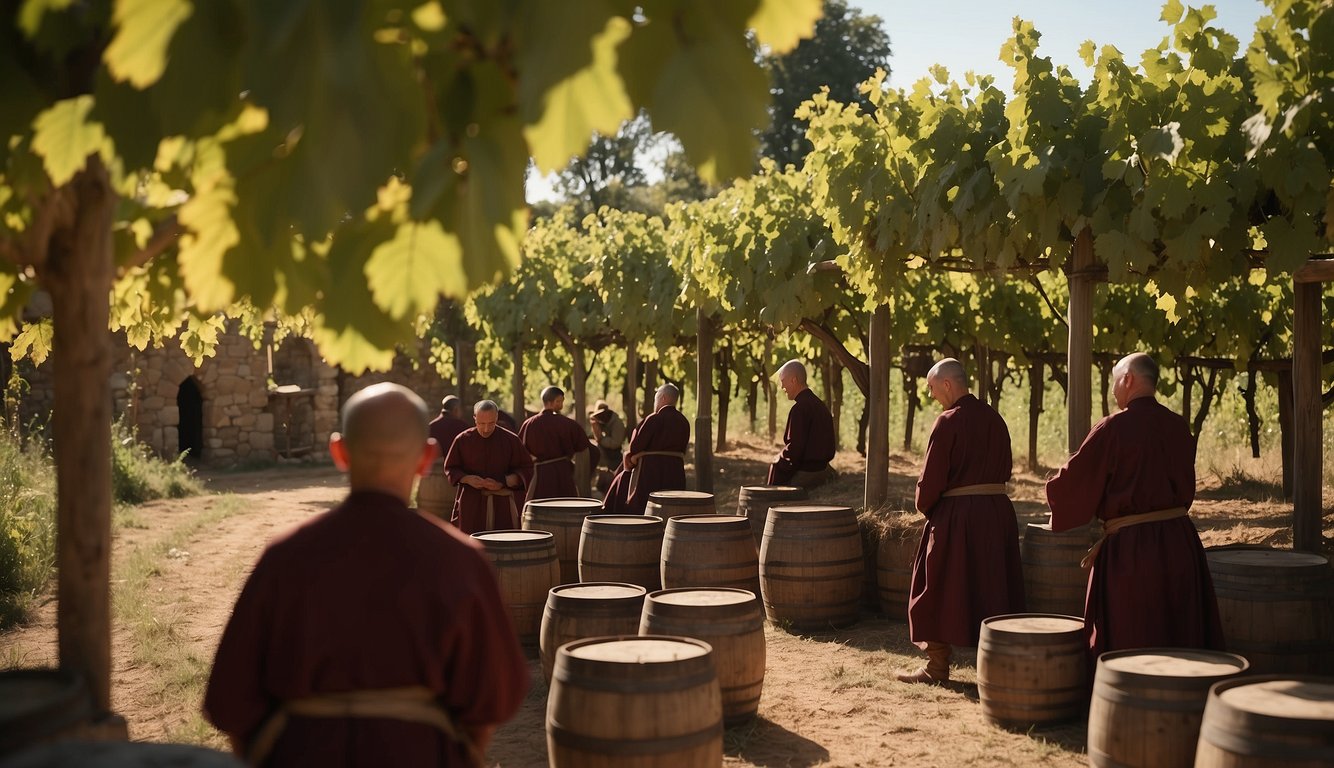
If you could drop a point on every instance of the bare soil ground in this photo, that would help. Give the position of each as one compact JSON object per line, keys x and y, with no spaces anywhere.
{"x":829,"y":699}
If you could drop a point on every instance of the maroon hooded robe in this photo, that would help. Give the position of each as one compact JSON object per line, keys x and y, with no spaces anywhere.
{"x":967,"y":566}
{"x":493,"y":457}
{"x":1150,"y":584}
{"x":550,"y":436}
{"x":444,"y":428}
{"x":664,"y":430}
{"x":808,"y":439}
{"x":370,"y":595}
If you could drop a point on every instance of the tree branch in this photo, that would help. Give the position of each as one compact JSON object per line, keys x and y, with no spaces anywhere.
{"x":164,"y":237}
{"x":861,"y":372}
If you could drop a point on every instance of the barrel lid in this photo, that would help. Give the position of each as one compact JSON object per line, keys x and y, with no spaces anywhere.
{"x":680,"y":496}
{"x":772,"y":489}
{"x":1266,"y":558}
{"x":802,"y":509}
{"x":712,"y":596}
{"x":511,"y":535}
{"x":599,"y":590}
{"x":623,"y":519}
{"x":1034,"y":623}
{"x":1174,"y":662}
{"x":1304,"y":699}
{"x":711,"y":520}
{"x":638,"y":650}
{"x":564,"y":503}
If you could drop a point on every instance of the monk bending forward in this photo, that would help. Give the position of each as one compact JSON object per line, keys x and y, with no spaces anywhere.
{"x":371,"y":634}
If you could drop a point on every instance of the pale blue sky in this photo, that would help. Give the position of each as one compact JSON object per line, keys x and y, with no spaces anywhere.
{"x":967,"y":34}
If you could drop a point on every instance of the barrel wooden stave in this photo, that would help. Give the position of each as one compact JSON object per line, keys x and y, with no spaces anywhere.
{"x":1031,"y":669}
{"x":709,"y":551}
{"x":579,"y":611}
{"x":1054,"y":582}
{"x":753,"y":502}
{"x":1268,"y":721}
{"x":1148,"y":703}
{"x":624,"y":548}
{"x":669,"y":504}
{"x":893,"y":566}
{"x":613,"y":705}
{"x":729,"y":620}
{"x":564,"y":519}
{"x":526,"y":570}
{"x":1276,"y":607}
{"x":811,"y":566}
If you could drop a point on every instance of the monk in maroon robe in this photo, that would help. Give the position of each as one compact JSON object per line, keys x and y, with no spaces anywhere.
{"x":967,"y":566}
{"x":1150,"y":584}
{"x":656,"y":460}
{"x":369,"y":635}
{"x":808,"y":440}
{"x":554,"y":440}
{"x":491,"y":469}
{"x":435,"y":494}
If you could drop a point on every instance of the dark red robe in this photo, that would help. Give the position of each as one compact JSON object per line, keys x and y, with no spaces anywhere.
{"x":808,"y":439}
{"x":444,"y":428}
{"x":967,"y":566}
{"x":1150,"y":585}
{"x":493,"y":457}
{"x":548,"y":436}
{"x":369,"y":595}
{"x":664,"y":430}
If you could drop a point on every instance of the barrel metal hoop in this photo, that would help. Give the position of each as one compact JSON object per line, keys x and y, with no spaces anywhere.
{"x":1238,"y":743}
{"x":1117,"y":696}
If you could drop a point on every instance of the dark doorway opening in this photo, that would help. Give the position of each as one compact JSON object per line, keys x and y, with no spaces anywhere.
{"x":190,"y":405}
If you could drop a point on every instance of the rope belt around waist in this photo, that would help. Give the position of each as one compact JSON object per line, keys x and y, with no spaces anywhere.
{"x":412,"y":704}
{"x":981,"y":489}
{"x":634,"y":471}
{"x":491,"y":497}
{"x":1110,"y":527}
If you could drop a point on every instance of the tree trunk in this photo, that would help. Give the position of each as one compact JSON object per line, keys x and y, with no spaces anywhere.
{"x":1187,"y":378}
{"x":877,"y":443}
{"x":1252,"y":416}
{"x":516,"y":384}
{"x":752,"y":402}
{"x":770,"y":390}
{"x":910,"y":394}
{"x":1105,"y":371}
{"x":78,"y":272}
{"x":650,"y":386}
{"x":982,"y":364}
{"x":631,"y":383}
{"x":861,"y":372}
{"x":1079,"y":393}
{"x":836,"y":401}
{"x":703,"y":414}
{"x":1035,"y":392}
{"x":724,"y":393}
{"x":1285,"y":429}
{"x":1207,"y":390}
{"x":465,"y":357}
{"x":1307,"y":406}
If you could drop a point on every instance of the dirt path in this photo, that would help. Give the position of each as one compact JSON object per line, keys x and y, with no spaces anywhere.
{"x":829,"y":699}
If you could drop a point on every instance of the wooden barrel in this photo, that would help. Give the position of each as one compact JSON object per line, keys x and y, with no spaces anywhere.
{"x":527,"y":569}
{"x":86,"y":753}
{"x":435,"y":496}
{"x":635,"y":702}
{"x":624,"y":548}
{"x":564,"y":519}
{"x":1031,"y":669}
{"x":577,"y":611}
{"x":1277,"y":608}
{"x":1148,"y":703}
{"x":669,"y":504}
{"x":811,"y":566}
{"x":1053,"y":580}
{"x":729,"y":620}
{"x":753,"y":502}
{"x":893,"y":564}
{"x":710,"y":551}
{"x":38,"y":705}
{"x":1270,"y":721}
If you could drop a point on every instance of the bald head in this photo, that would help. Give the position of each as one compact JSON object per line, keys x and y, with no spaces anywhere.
{"x":550,"y":394}
{"x":383,"y":444}
{"x":792,"y":378}
{"x":1134,"y":376}
{"x":667,"y":394}
{"x":947,"y":382}
{"x":452,"y":406}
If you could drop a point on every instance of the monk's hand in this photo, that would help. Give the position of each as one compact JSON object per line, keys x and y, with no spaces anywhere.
{"x":491,"y":485}
{"x":512,"y":480}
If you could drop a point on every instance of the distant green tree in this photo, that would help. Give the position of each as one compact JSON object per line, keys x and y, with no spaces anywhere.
{"x":612,"y":168}
{"x":846,"y":49}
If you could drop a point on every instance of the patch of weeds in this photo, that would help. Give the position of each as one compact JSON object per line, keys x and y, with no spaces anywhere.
{"x":138,"y":476}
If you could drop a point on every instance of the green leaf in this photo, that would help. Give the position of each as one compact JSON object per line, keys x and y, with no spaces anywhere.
{"x":144,"y":28}
{"x":562,"y":115}
{"x":408,"y":274}
{"x":1172,"y":11}
{"x":782,"y":24}
{"x":1163,"y":141}
{"x":64,"y":138}
{"x":211,"y":233}
{"x":350,"y":329}
{"x":34,"y":341}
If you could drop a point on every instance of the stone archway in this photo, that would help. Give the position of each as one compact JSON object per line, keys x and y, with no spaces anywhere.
{"x":190,"y":430}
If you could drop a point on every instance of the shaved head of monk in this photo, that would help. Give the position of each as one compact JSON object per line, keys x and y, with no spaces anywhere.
{"x":384,"y":442}
{"x":947,"y":382}
{"x":1134,"y":376}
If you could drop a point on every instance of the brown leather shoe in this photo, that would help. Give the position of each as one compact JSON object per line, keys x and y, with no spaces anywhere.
{"x":937,"y":669}
{"x":922,"y":675}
